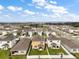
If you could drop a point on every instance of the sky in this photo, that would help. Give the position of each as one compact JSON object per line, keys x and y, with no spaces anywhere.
{"x":39,"y":10}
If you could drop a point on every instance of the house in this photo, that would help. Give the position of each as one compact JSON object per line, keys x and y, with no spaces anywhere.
{"x":71,"y":45}
{"x":38,"y":42}
{"x":53,"y":42}
{"x":21,"y":48}
{"x":7,"y":41}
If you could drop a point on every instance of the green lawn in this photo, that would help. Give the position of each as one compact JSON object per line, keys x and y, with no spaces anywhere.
{"x":76,"y":55}
{"x":56,"y":51}
{"x":4,"y":54}
{"x":18,"y":57}
{"x":37,"y":52}
{"x":44,"y":36}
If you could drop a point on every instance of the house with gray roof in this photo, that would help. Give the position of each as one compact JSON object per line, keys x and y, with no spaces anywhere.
{"x":7,"y":41}
{"x":70,"y":45}
{"x":21,"y":48}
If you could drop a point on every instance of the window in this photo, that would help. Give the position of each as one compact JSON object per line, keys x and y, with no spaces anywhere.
{"x":57,"y":46}
{"x":35,"y":46}
{"x":74,"y":49}
{"x":22,"y":51}
{"x":50,"y":40}
{"x":8,"y":41}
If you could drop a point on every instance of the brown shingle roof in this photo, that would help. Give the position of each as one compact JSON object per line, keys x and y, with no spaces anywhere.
{"x":38,"y":38}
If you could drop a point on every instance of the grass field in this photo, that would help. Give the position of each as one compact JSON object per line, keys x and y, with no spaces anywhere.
{"x":4,"y":54}
{"x":37,"y":52}
{"x":76,"y":55}
{"x":18,"y":57}
{"x":56,"y":51}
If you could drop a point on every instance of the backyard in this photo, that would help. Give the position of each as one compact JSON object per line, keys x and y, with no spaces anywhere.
{"x":45,"y":52}
{"x":37,"y":52}
{"x":76,"y":55}
{"x":4,"y":54}
{"x":18,"y":57}
{"x":56,"y":51}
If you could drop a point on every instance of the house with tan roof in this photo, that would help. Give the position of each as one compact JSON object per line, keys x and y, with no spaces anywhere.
{"x":38,"y":42}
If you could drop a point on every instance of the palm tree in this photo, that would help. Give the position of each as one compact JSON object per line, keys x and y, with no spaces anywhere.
{"x":35,"y":33}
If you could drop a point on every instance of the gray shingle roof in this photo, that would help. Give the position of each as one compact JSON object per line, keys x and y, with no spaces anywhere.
{"x":23,"y":44}
{"x":70,"y":43}
{"x":7,"y":37}
{"x":52,"y":37}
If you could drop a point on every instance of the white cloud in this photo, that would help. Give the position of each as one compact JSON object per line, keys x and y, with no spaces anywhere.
{"x":56,"y":9}
{"x":50,"y":6}
{"x":1,"y":7}
{"x":15,"y":8}
{"x":53,"y":2}
{"x":39,"y":2}
{"x":29,"y":12}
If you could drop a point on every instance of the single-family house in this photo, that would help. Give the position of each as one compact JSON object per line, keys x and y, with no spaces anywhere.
{"x":21,"y":48}
{"x":53,"y":42}
{"x":70,"y":45}
{"x":7,"y":41}
{"x":38,"y":42}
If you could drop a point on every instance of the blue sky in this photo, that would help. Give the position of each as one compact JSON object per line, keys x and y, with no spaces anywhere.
{"x":39,"y":10}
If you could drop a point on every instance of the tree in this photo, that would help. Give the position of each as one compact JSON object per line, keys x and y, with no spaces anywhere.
{"x":5,"y":46}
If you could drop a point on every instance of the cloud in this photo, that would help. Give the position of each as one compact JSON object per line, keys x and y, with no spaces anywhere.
{"x":1,"y":7}
{"x":15,"y":8}
{"x":39,"y":2}
{"x":56,"y":9}
{"x":50,"y":6}
{"x":53,"y":2}
{"x":29,"y":12}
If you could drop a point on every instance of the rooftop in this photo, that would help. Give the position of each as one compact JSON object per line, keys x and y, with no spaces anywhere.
{"x":52,"y":37}
{"x":8,"y":37}
{"x":38,"y":38}
{"x":70,"y":43}
{"x":23,"y":44}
